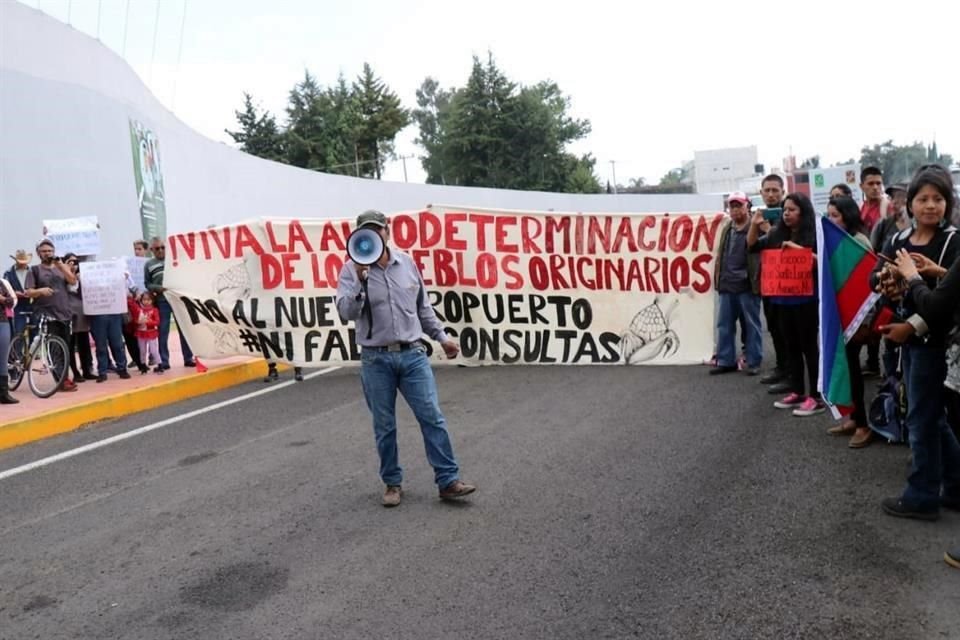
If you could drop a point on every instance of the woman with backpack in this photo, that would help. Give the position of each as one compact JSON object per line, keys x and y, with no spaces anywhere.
{"x":799,"y":315}
{"x":845,"y":213}
{"x":922,"y":256}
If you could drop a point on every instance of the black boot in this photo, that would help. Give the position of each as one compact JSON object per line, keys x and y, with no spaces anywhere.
{"x":5,"y":397}
{"x":272,"y":375}
{"x":298,"y":374}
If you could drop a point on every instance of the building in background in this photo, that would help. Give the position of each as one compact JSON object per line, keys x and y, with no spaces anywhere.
{"x":723,"y":170}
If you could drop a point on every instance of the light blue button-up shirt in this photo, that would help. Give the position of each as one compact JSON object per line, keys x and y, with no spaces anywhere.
{"x":399,"y":305}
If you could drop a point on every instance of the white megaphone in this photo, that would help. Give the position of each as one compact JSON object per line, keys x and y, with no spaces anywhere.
{"x":365,"y":246}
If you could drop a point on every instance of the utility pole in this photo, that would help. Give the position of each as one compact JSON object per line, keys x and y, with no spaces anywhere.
{"x":404,"y":159}
{"x":613,"y":168}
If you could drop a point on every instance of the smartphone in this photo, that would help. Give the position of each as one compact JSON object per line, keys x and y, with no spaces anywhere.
{"x":773,"y":214}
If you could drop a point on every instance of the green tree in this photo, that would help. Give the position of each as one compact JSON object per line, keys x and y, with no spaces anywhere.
{"x":308,"y":125}
{"x":259,"y":134}
{"x":812,"y":162}
{"x":378,"y":118}
{"x":899,"y":162}
{"x":433,"y":108}
{"x":494,"y":133}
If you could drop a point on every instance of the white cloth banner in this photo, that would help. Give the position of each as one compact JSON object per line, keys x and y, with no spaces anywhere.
{"x":74,"y":235}
{"x":511,"y":287}
{"x":104,"y":287}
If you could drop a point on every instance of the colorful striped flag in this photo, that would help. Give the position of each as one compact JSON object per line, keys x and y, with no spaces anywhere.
{"x":845,"y":300}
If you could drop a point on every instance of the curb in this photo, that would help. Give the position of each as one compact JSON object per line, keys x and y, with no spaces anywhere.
{"x":59,"y":421}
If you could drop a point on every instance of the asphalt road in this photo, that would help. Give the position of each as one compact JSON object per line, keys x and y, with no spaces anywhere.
{"x":614,"y":502}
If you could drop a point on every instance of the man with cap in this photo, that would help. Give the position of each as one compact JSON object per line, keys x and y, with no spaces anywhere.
{"x":895,"y":217}
{"x":46,"y":284}
{"x":389,"y":304}
{"x":17,"y":277}
{"x":737,"y":280}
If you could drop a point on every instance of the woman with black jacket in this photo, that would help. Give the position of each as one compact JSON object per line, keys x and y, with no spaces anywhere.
{"x":799,"y":315}
{"x":930,"y":248}
{"x":942,"y":302}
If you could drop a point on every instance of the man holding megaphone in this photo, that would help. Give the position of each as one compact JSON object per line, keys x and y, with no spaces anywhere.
{"x":380,"y":288}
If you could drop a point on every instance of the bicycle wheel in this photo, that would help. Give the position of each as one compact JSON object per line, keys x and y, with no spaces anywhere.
{"x":49,"y":367}
{"x":18,"y":347}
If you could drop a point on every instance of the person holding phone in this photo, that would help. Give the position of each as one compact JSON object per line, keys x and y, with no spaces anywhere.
{"x":923,"y":255}
{"x":798,"y":315}
{"x":771,"y":190}
{"x":47,"y":285}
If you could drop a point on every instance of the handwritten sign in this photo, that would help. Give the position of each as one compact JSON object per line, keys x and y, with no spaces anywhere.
{"x":74,"y":235}
{"x":135,"y":267}
{"x":786,"y":272}
{"x":104,"y":287}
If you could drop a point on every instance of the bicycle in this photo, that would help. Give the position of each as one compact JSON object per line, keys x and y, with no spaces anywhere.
{"x":43,"y":361}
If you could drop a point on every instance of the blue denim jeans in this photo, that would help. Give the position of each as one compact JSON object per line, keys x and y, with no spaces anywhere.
{"x":108,"y":334}
{"x":936,"y":453}
{"x":166,"y":313}
{"x":382,"y":375}
{"x":746,"y":308}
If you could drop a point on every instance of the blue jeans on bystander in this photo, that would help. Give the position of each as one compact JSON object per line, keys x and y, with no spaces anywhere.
{"x":166,"y":314}
{"x":936,"y":453}
{"x":108,"y":334}
{"x":746,"y":307}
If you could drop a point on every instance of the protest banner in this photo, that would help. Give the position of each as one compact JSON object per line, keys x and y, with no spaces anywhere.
{"x":74,"y":235}
{"x":511,"y":287}
{"x":786,"y":272}
{"x":104,"y":287}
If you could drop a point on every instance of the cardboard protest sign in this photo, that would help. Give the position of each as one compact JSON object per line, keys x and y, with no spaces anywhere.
{"x":74,"y":235}
{"x":104,"y":287}
{"x":786,"y":272}
{"x":511,"y":287}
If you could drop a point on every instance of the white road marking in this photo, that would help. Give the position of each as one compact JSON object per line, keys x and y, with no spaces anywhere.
{"x":150,"y":427}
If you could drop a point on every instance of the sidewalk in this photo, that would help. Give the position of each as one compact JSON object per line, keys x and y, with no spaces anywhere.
{"x":35,"y":418}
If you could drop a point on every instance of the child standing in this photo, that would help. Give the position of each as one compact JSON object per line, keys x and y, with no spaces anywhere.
{"x":147,"y":320}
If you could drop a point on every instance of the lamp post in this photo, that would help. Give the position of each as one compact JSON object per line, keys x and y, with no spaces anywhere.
{"x":613,"y":168}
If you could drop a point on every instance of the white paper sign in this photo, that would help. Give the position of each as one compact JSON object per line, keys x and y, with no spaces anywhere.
{"x":104,"y":287}
{"x":74,"y":235}
{"x":135,"y":267}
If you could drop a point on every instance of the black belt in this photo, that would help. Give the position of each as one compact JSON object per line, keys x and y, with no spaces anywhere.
{"x":397,"y":346}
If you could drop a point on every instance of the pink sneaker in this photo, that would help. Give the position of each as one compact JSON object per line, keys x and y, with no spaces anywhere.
{"x":791,"y":401}
{"x":809,"y":407}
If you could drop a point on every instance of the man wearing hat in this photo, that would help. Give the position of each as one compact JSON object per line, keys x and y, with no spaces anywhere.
{"x":737,"y":280}
{"x":894,"y":219}
{"x":389,"y":304}
{"x":46,"y":284}
{"x":17,"y":277}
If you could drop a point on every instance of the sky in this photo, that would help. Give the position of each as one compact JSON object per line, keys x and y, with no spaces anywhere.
{"x":657,"y":80}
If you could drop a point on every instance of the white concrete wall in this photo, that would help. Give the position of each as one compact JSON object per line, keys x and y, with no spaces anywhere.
{"x":65,"y":104}
{"x":720,"y":170}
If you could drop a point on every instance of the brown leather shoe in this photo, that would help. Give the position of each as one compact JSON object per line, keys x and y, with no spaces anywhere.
{"x":456,"y":489}
{"x":845,"y":428}
{"x":861,"y":438}
{"x":391,"y":497}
